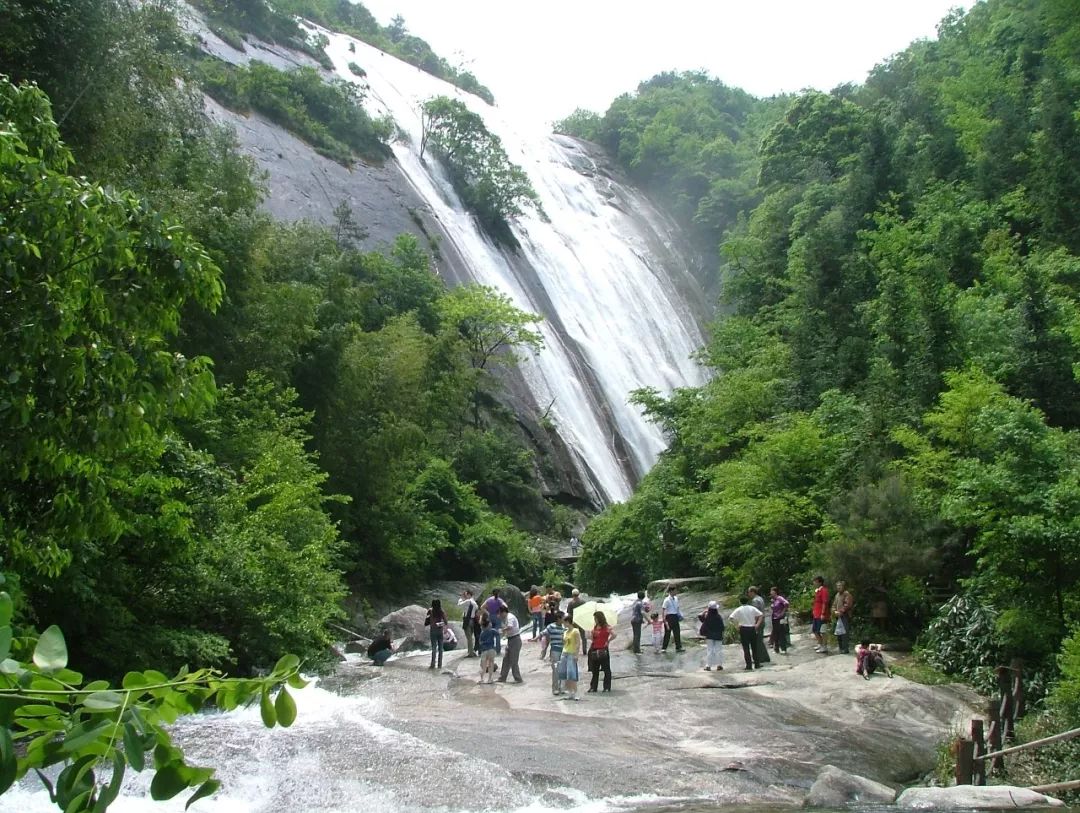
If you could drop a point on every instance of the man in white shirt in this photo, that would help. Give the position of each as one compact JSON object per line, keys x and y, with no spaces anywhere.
{"x":511,"y":635}
{"x":748,"y":618}
{"x":672,"y":617}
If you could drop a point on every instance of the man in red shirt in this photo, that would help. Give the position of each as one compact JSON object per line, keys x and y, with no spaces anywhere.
{"x":821,"y":613}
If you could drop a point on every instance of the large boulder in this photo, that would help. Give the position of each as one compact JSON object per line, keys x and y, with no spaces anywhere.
{"x":974,"y":797}
{"x":408,"y":622}
{"x":834,"y":788}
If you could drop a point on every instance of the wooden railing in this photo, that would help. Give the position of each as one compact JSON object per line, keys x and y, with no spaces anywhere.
{"x":982,"y":753}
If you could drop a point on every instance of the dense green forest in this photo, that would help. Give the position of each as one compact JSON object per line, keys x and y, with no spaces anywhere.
{"x":215,"y":424}
{"x":895,"y":399}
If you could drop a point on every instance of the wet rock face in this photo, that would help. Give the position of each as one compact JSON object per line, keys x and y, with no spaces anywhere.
{"x":835,"y":787}
{"x":970,"y":797}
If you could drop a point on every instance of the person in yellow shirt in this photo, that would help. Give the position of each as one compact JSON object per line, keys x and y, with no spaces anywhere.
{"x":568,"y":666}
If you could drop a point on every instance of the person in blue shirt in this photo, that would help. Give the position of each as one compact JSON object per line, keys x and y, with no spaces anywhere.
{"x":487,"y":643}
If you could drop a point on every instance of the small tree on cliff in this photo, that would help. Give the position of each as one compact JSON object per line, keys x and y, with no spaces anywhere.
{"x":489,"y":183}
{"x":484,"y":328}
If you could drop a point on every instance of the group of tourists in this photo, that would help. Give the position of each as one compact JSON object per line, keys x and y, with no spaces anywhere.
{"x":490,"y":627}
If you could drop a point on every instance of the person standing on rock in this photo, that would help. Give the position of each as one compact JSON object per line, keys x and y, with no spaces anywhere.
{"x":748,"y":618}
{"x":436,"y":622}
{"x":658,"y":629}
{"x":841,"y":611}
{"x":779,"y":637}
{"x":712,"y":630}
{"x":568,"y":665}
{"x":552,"y":646}
{"x":599,"y":652}
{"x":485,"y":642}
{"x":511,"y":633}
{"x":672,"y":618}
{"x":820,"y":613}
{"x":575,"y":545}
{"x":536,"y":611}
{"x":470,"y":622}
{"x":493,"y":606}
{"x":761,"y":652}
{"x":637,"y":618}
{"x":551,"y":606}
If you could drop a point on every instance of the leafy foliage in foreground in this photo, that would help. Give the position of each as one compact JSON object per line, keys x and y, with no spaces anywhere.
{"x":50,"y":715}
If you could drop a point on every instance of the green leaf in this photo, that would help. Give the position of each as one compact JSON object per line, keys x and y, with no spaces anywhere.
{"x":8,"y":764}
{"x":135,"y":680}
{"x":296,"y":681}
{"x":85,"y":733}
{"x":5,"y":642}
{"x":112,"y":790}
{"x":133,"y":747}
{"x":7,"y":607}
{"x":51,"y":650}
{"x":266,"y":709}
{"x":154,"y":677}
{"x":103,"y":701}
{"x":285,"y":707}
{"x":74,"y":781}
{"x":207,"y":788}
{"x":37,"y":710}
{"x":10,"y":667}
{"x":68,"y":676}
{"x":168,"y":781}
{"x":286,"y":664}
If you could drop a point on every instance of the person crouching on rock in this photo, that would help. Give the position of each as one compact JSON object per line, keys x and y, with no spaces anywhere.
{"x":568,"y":667}
{"x":381,"y":648}
{"x":449,"y":640}
{"x":486,"y":644}
{"x":869,"y":658}
{"x":599,"y":654}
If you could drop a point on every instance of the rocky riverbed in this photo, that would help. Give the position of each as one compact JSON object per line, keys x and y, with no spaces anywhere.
{"x":670,"y":728}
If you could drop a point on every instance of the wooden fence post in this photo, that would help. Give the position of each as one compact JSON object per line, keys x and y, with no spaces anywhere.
{"x":994,"y":743}
{"x":1018,"y":690}
{"x":978,"y":774}
{"x":964,"y":749}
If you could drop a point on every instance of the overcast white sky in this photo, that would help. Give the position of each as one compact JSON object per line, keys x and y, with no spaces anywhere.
{"x":547,"y":58}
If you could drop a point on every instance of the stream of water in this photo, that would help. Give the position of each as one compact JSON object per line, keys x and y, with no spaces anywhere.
{"x":349,"y":754}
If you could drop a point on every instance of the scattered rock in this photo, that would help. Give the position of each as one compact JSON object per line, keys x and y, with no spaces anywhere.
{"x":408,"y":621}
{"x":358,"y":645}
{"x":971,"y":797}
{"x":835,"y":787}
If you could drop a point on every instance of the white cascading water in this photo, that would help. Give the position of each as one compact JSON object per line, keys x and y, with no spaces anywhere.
{"x":621,"y":316}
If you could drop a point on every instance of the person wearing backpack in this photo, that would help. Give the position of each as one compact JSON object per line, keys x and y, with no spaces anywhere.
{"x":712,"y":630}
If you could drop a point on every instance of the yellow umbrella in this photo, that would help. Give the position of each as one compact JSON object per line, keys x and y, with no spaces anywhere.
{"x":583,"y":614}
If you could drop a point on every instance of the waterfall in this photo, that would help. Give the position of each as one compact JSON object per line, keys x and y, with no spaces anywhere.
{"x":601,"y":268}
